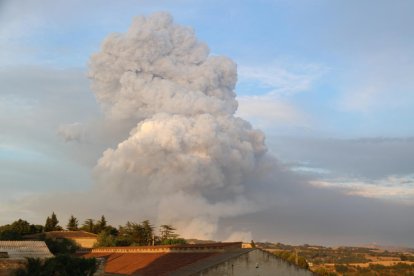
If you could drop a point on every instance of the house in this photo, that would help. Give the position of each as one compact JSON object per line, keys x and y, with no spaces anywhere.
{"x":192,"y":259}
{"x":82,"y":238}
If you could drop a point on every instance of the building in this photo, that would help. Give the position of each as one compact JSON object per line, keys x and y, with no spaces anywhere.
{"x":13,"y":254}
{"x":82,"y":238}
{"x":192,"y":259}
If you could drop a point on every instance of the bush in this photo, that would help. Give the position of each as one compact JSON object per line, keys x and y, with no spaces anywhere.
{"x":174,"y":241}
{"x":61,"y":246}
{"x":64,"y":265}
{"x":341,"y":268}
{"x":323,"y":272}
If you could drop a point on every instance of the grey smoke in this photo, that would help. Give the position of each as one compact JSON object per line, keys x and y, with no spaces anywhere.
{"x":187,"y":159}
{"x":72,"y":132}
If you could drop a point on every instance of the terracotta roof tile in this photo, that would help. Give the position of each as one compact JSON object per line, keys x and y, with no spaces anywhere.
{"x":147,"y":264}
{"x":217,"y":245}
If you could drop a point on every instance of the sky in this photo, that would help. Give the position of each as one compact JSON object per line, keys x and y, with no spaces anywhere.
{"x":328,"y":82}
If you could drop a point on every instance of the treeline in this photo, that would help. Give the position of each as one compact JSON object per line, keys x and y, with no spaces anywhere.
{"x":292,"y":258}
{"x":371,"y":269}
{"x":131,"y":233}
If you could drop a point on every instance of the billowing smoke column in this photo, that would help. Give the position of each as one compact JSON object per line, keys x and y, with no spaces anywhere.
{"x":188,"y":157}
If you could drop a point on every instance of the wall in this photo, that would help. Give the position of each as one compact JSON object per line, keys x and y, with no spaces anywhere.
{"x":255,"y":263}
{"x":85,"y":242}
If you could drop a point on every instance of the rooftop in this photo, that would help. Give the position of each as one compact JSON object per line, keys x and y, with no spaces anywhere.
{"x":147,"y":263}
{"x":180,"y":248}
{"x":65,"y":234}
{"x":163,"y":259}
{"x":25,"y":249}
{"x":71,"y":234}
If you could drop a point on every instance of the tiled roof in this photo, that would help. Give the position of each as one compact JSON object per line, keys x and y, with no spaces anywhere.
{"x":161,"y":259}
{"x":25,"y":249}
{"x":71,"y":234}
{"x":147,"y":264}
{"x":190,"y":248}
{"x":195,"y":267}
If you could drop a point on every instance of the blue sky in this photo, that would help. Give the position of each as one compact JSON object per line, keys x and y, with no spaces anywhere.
{"x":329,"y":82}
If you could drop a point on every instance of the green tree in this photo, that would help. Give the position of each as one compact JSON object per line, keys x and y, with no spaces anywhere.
{"x":61,"y":246}
{"x":168,"y":235}
{"x":136,"y":234}
{"x":21,"y":226}
{"x":403,"y":257}
{"x":18,"y":229}
{"x":64,"y":265}
{"x":72,"y":224}
{"x":52,"y":223}
{"x":7,"y":234}
{"x":341,"y":268}
{"x":148,"y":233}
{"x":105,"y":239}
{"x":100,"y":225}
{"x":167,"y":232}
{"x":174,"y":241}
{"x":88,"y":225}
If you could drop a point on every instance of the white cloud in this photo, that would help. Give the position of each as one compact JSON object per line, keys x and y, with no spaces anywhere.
{"x":393,"y":187}
{"x":269,"y":112}
{"x":265,"y":92}
{"x":281,"y":78}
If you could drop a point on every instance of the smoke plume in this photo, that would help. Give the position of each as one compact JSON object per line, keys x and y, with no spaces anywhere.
{"x":187,"y":160}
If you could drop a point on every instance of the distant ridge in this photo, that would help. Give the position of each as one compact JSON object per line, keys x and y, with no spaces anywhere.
{"x":391,"y":248}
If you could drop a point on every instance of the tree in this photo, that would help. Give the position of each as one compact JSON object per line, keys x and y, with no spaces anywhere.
{"x":8,"y":235}
{"x":100,"y":225}
{"x":72,"y":224}
{"x":136,"y":233}
{"x":52,"y":223}
{"x":174,"y":241}
{"x":61,"y":246}
{"x":148,"y":233}
{"x":18,"y":229}
{"x":21,"y":226}
{"x":168,"y":235}
{"x":59,"y":265}
{"x":252,"y":244}
{"x":105,"y":239}
{"x":341,"y":268}
{"x":167,"y":232}
{"x":88,"y":225}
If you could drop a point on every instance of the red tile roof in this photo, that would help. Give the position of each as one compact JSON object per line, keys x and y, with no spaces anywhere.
{"x":157,"y":260}
{"x":168,"y":248}
{"x":147,"y":264}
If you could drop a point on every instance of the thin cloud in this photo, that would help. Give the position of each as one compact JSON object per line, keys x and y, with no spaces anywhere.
{"x":270,"y":112}
{"x":281,"y":79}
{"x":395,"y":187}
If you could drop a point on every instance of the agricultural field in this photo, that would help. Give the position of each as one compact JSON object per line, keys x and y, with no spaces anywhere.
{"x":346,"y":260}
